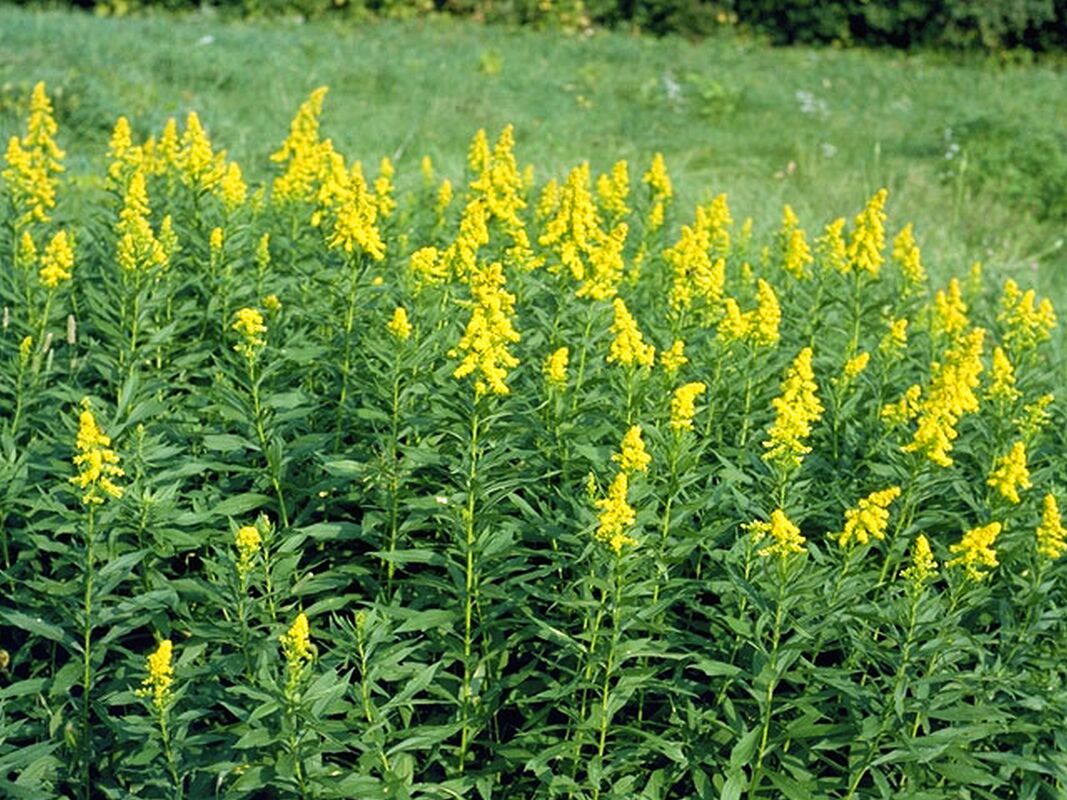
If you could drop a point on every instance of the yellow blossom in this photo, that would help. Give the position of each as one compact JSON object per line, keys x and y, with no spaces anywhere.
{"x":159,"y":681}
{"x":33,"y":162}
{"x":796,"y":409}
{"x":905,"y":409}
{"x":796,"y":255}
{"x":232,"y":187}
{"x":1010,"y":473}
{"x":696,"y":278}
{"x":908,"y":257}
{"x":923,"y":566}
{"x":57,"y":261}
{"x":1002,"y":379}
{"x":831,"y":248}
{"x":683,"y":405}
{"x":869,"y":519}
{"x":444,"y":198}
{"x":616,"y":516}
{"x":628,"y":347}
{"x":26,"y":252}
{"x":976,"y":551}
{"x":1024,"y":325}
{"x":673,"y":358}
{"x":613,"y":190}
{"x":248,"y":543}
{"x":855,"y":365}
{"x":768,"y":316}
{"x":97,"y":463}
{"x":399,"y":325}
{"x":427,"y":267}
{"x":301,"y":152}
{"x":555,"y":367}
{"x":867,"y":243}
{"x":660,"y":190}
{"x":248,"y":322}
{"x":1035,"y":417}
{"x":950,"y":312}
{"x":489,"y":332}
{"x":1051,"y":537}
{"x":25,"y":351}
{"x":895,"y":340}
{"x":383,"y":188}
{"x":297,"y":648}
{"x":632,"y":456}
{"x":272,"y":303}
{"x":426,"y":168}
{"x":786,"y":538}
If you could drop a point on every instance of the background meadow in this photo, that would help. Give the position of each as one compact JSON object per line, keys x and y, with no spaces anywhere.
{"x":609,"y":434}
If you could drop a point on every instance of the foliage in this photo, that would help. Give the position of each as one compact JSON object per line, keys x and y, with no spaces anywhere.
{"x":264,"y":534}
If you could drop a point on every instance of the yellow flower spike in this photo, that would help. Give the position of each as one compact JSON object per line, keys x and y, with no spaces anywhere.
{"x":427,"y":267}
{"x":33,"y":162}
{"x":158,"y":683}
{"x":272,"y":303}
{"x":867,"y":243}
{"x":297,"y":648}
{"x":734,"y":325}
{"x":215,"y":242}
{"x":696,"y":278}
{"x":383,"y":188}
{"x":854,"y":366}
{"x":233,"y":191}
{"x":1010,"y":474}
{"x":908,"y":257}
{"x":767,"y":318}
{"x":905,"y":409}
{"x":555,"y":367}
{"x":96,"y":462}
{"x":831,"y":249}
{"x":1002,"y":379}
{"x":1035,"y":417}
{"x":657,"y":178}
{"x":548,"y":202}
{"x":301,"y":152}
{"x":605,"y":264}
{"x":950,"y":312}
{"x":489,"y":332}
{"x":613,"y":190}
{"x":57,"y":261}
{"x":478,"y":155}
{"x":25,"y":351}
{"x":426,"y":168}
{"x":923,"y":567}
{"x":574,"y":229}
{"x":248,"y":543}
{"x":632,"y":456}
{"x":616,"y":516}
{"x":1051,"y":536}
{"x":976,"y":553}
{"x":398,"y":324}
{"x":444,"y":197}
{"x":683,"y":405}
{"x":797,"y":408}
{"x":895,"y":340}
{"x":786,"y":539}
{"x":869,"y":519}
{"x":248,"y":322}
{"x":1025,"y":326}
{"x":673,"y":358}
{"x":628,"y":347}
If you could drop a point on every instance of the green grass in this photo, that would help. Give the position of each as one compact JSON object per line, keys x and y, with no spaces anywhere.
{"x":725,"y":112}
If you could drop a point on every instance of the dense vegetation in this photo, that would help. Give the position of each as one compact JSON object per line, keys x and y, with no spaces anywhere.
{"x":369,"y":484}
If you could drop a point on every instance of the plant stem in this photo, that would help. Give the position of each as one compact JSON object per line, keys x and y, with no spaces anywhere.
{"x":470,"y":588}
{"x":768,"y":700}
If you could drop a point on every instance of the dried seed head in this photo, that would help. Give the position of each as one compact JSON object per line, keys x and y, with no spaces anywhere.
{"x":72,"y":330}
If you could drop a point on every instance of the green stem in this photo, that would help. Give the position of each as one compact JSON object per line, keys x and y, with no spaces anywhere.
{"x":772,"y":683}
{"x":470,"y":588}
{"x":605,"y":694}
{"x":394,"y":478}
{"x":87,"y":667}
{"x":346,"y":363}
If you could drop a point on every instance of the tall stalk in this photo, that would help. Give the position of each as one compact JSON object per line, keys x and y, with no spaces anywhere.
{"x":471,"y":585}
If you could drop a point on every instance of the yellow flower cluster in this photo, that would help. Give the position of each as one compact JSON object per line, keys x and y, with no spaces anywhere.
{"x":950,"y":312}
{"x":628,"y":348}
{"x":1051,"y":537}
{"x":297,"y":649}
{"x":950,"y":396}
{"x":158,"y":683}
{"x":484,"y":343}
{"x":1010,"y":473}
{"x":248,"y":543}
{"x":923,"y":566}
{"x":1024,"y":325}
{"x":383,"y":188}
{"x":758,"y":327}
{"x":855,"y":365}
{"x":905,"y":409}
{"x":786,"y":538}
{"x":497,"y":179}
{"x":399,"y":325}
{"x":613,"y":191}
{"x":796,"y":255}
{"x":683,"y":405}
{"x":907,"y":256}
{"x":867,"y":243}
{"x":695,"y":276}
{"x":661,"y":190}
{"x":353,"y":208}
{"x":632,"y":456}
{"x":869,"y":519}
{"x":302,"y":153}
{"x":976,"y":553}
{"x":139,"y":249}
{"x":57,"y":261}
{"x":616,"y":516}
{"x":248,"y":322}
{"x":831,"y":248}
{"x":796,"y":409}
{"x":33,"y":162}
{"x":1035,"y":417}
{"x":605,"y":265}
{"x":895,"y":340}
{"x":97,"y":463}
{"x":555,"y":367}
{"x":673,"y":358}
{"x":1002,"y":379}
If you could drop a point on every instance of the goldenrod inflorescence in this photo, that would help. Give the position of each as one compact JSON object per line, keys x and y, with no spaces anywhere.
{"x":97,"y":463}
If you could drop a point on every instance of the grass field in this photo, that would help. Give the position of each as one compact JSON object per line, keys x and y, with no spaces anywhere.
{"x":819,"y":129}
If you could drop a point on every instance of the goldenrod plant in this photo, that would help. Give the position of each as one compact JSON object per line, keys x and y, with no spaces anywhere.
{"x":375,"y":479}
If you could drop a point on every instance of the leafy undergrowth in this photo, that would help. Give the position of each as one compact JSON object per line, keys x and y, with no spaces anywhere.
{"x":408,"y":487}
